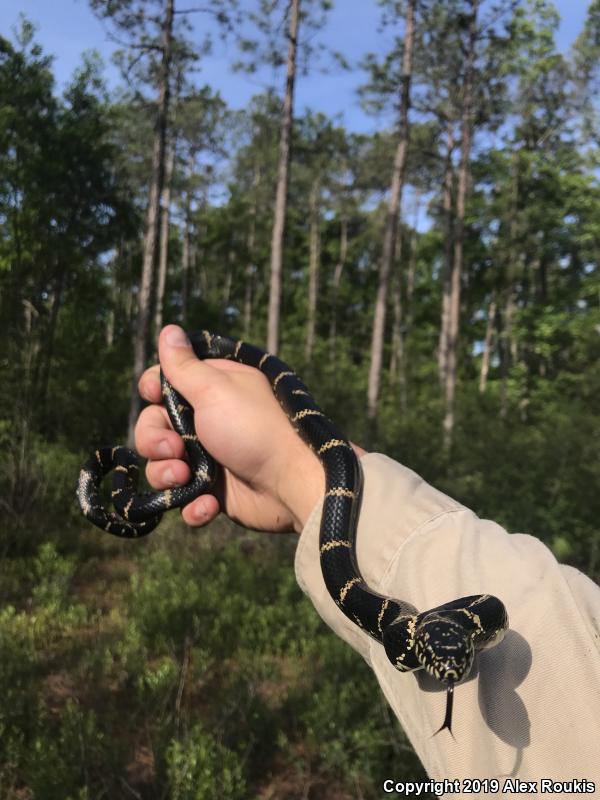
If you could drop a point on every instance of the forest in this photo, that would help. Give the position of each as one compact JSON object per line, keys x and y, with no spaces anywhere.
{"x":434,"y":282}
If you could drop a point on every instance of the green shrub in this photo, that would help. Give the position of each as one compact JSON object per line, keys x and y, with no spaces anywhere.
{"x":200,"y":768}
{"x":65,"y":759}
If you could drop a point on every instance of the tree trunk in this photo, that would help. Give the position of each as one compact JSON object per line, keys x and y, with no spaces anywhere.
{"x":185,"y":262}
{"x":412,"y":264}
{"x":402,"y":320}
{"x":396,"y":354}
{"x":186,"y":254}
{"x":540,"y":269}
{"x":50,"y":336}
{"x":248,"y":297}
{"x":226,"y":296}
{"x":282,"y":184}
{"x":313,"y":267}
{"x":127,"y":294}
{"x":487,"y":346}
{"x":164,"y":242}
{"x":461,"y":197}
{"x":513,"y":264}
{"x":337,"y":279}
{"x":111,"y":319}
{"x":508,"y":350}
{"x":448,"y":253}
{"x":31,"y":346}
{"x":198,"y":260}
{"x":250,"y":265}
{"x":397,"y":357}
{"x":249,"y":287}
{"x":109,"y":330}
{"x":389,"y":241}
{"x":152,"y":223}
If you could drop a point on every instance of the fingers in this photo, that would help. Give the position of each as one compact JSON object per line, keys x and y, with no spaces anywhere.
{"x":149,"y":384}
{"x":154,"y":437}
{"x":201,"y":511}
{"x":156,"y":440}
{"x":180,"y":364}
{"x":167,"y":473}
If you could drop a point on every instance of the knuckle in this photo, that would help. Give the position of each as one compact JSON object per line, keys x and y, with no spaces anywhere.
{"x":151,"y":423}
{"x":149,"y":384}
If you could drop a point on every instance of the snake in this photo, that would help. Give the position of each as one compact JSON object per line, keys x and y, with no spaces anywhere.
{"x":442,"y":641}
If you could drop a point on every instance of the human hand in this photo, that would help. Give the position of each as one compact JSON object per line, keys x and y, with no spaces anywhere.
{"x":271,"y":479}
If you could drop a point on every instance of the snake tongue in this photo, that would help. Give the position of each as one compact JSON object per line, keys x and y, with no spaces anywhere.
{"x":447,"y":723}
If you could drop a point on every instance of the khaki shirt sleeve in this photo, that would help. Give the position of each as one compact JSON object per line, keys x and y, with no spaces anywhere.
{"x":531,"y":706}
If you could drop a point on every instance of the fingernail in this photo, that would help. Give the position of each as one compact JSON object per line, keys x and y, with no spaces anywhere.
{"x":199,"y":512}
{"x":164,"y":449}
{"x":176,"y":337}
{"x":169,"y":477}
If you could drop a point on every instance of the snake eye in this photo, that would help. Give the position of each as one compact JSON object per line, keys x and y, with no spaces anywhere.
{"x":443,"y":649}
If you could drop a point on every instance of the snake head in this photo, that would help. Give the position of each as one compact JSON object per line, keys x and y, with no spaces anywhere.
{"x":443,"y":648}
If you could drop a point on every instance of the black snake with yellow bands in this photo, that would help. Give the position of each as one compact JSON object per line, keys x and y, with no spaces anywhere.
{"x":442,"y":641}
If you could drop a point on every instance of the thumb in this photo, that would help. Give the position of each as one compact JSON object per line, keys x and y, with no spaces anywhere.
{"x":182,"y":368}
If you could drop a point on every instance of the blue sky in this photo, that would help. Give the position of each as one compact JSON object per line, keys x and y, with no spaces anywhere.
{"x":66,"y":28}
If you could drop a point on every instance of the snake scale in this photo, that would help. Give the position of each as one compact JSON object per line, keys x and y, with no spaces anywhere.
{"x":442,"y":641}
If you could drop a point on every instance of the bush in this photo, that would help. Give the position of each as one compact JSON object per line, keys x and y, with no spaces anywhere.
{"x":200,"y":768}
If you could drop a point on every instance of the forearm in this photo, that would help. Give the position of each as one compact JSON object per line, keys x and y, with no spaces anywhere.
{"x":302,"y":482}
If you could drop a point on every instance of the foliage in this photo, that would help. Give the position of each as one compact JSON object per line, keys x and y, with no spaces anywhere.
{"x":221,"y":665}
{"x":200,"y":768}
{"x":191,"y":666}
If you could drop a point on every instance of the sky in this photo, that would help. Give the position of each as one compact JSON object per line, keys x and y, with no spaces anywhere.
{"x":67,"y":28}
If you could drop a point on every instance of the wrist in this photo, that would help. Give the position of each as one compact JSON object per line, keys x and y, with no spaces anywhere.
{"x":302,"y":482}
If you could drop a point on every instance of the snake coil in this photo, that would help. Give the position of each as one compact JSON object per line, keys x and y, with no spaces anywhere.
{"x":442,"y":641}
